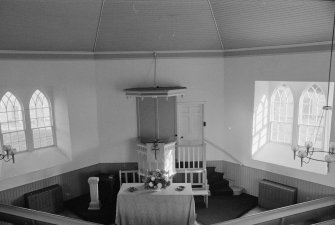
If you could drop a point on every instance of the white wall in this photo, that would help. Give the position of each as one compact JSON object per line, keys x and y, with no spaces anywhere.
{"x":101,"y":122}
{"x":203,"y":78}
{"x":240,"y":74}
{"x":95,"y":121}
{"x":71,"y":85}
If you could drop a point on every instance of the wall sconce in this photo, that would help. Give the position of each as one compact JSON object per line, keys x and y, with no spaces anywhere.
{"x":9,"y":153}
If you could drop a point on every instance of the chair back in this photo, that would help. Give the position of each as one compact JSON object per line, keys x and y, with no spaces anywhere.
{"x":129,"y":176}
{"x":198,"y":178}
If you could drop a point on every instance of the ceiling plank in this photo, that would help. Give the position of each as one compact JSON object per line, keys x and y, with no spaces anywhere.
{"x":157,"y":26}
{"x":48,"y":25}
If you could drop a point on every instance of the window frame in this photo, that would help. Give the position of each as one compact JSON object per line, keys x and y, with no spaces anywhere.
{"x":24,"y":122}
{"x":317,"y":125}
{"x":271,"y":112}
{"x":52,"y":122}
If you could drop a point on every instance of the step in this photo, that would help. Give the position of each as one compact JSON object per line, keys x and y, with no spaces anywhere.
{"x":216,"y":176}
{"x":237,"y":190}
{"x":210,"y":170}
{"x":219,"y":184}
{"x":222,"y":191}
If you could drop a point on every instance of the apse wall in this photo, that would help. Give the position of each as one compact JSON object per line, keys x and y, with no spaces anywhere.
{"x":240,"y":74}
{"x":95,"y":122}
{"x":70,"y":84}
{"x":203,"y":78}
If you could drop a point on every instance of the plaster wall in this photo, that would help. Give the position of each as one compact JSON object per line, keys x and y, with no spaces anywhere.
{"x":240,"y":74}
{"x":95,"y":122}
{"x":70,"y":84}
{"x":203,"y":78}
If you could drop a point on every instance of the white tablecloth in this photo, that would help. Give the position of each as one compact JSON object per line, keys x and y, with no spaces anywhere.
{"x":148,"y":207}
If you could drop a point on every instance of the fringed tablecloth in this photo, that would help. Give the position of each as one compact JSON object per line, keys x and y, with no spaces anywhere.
{"x":148,"y":207}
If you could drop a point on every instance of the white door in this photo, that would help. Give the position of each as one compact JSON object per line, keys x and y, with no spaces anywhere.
{"x":190,"y":123}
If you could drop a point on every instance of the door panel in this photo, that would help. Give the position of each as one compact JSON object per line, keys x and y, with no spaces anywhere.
{"x":190,"y":123}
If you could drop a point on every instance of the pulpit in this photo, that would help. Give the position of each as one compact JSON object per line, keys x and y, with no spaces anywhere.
{"x":156,"y":131}
{"x":152,"y":156}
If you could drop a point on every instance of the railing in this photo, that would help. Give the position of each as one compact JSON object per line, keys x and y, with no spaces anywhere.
{"x":290,"y":214}
{"x":328,"y":222}
{"x":18,"y":215}
{"x":190,"y":157}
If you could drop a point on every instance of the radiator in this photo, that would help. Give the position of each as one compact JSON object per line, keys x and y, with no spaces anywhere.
{"x":273,"y":195}
{"x":49,"y":199}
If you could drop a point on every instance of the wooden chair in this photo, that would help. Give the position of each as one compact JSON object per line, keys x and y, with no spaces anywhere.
{"x":198,"y":179}
{"x":129,"y":176}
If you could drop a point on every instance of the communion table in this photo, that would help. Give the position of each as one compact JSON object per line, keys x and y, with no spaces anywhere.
{"x":148,"y":207}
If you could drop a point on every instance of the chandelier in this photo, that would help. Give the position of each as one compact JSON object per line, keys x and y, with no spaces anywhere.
{"x":9,"y":153}
{"x":305,"y":153}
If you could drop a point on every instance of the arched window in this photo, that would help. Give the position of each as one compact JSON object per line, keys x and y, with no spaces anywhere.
{"x":41,"y":120}
{"x":281,"y":115}
{"x":311,"y":121}
{"x":260,"y":125}
{"x":12,"y":122}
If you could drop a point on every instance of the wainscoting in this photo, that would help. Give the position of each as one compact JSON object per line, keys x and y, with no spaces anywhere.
{"x":249,"y":178}
{"x":74,"y":183}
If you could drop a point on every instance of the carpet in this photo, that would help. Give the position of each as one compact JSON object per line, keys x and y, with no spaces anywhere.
{"x":79,"y":206}
{"x":223,"y":208}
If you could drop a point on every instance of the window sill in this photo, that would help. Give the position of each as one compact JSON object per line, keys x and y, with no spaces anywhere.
{"x":282,"y":155}
{"x":36,"y":160}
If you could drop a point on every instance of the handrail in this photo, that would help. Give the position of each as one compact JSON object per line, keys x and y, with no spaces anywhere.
{"x":40,"y":216}
{"x":328,"y":222}
{"x":282,"y":212}
{"x":224,"y":151}
{"x":199,"y":145}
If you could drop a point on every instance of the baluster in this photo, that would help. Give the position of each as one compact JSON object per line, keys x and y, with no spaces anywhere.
{"x":184,"y":157}
{"x":188,"y":157}
{"x":178,"y":149}
{"x":203,"y":147}
{"x":198,"y":149}
{"x":193,"y":158}
{"x":199,"y":178}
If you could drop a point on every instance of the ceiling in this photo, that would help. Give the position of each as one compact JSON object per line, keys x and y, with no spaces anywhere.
{"x":162,"y":25}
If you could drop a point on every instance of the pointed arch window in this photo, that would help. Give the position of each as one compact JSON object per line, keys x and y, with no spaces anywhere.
{"x":311,"y":121}
{"x":41,"y":120}
{"x":281,"y":115}
{"x":12,"y":122}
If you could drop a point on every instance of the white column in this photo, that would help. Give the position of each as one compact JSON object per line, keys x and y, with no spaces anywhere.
{"x":94,"y":193}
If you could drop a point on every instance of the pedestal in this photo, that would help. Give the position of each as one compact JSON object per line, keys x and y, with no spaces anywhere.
{"x":94,"y":193}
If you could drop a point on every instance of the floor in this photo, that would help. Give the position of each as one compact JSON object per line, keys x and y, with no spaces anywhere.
{"x":221,"y":208}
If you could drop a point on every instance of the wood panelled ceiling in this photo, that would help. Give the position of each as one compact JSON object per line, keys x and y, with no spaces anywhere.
{"x":162,"y":25}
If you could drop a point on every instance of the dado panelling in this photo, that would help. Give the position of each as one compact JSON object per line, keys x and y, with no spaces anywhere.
{"x":74,"y":183}
{"x":248,"y":178}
